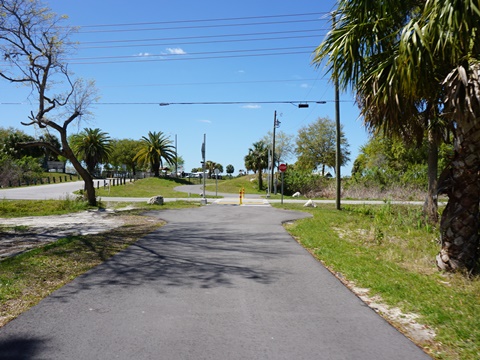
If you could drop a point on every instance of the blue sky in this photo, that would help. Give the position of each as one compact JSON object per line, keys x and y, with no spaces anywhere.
{"x":144,"y":53}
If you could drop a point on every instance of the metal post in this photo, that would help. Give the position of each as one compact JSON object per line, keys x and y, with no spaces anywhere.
{"x":273,"y":149}
{"x":282,"y":187}
{"x":204,"y":161}
{"x":269,"y":173}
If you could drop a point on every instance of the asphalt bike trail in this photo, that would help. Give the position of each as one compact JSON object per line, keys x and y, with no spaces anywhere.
{"x":216,"y":282}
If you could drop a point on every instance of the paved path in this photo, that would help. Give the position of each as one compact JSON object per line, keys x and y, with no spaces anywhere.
{"x":217,"y":282}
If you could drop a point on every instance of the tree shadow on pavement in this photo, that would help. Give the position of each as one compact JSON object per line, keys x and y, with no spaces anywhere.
{"x":176,"y":256}
{"x":19,"y":348}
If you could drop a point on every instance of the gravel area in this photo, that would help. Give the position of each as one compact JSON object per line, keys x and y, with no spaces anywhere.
{"x":21,"y":234}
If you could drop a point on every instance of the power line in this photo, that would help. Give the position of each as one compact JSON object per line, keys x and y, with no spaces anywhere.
{"x":292,"y":102}
{"x":216,"y":83}
{"x":202,"y":42}
{"x":197,"y":26}
{"x":167,"y":55}
{"x":202,"y":36}
{"x":180,"y":58}
{"x":204,"y":20}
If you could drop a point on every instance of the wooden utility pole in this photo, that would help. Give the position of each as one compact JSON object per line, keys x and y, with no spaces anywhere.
{"x":338,"y":157}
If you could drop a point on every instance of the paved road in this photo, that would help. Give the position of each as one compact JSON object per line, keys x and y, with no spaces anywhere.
{"x":42,"y":192}
{"x":60,"y":191}
{"x":217,"y":282}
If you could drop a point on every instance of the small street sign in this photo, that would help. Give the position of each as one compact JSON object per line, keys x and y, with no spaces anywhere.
{"x":282,"y":167}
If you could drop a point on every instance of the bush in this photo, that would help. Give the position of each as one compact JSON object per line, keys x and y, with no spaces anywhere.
{"x":307,"y":183}
{"x":13,"y":170}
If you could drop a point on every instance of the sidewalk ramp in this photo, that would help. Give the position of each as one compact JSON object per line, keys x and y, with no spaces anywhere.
{"x":245,"y":202}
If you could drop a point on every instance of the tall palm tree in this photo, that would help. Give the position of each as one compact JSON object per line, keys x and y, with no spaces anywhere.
{"x":92,"y":146}
{"x":403,"y":58}
{"x":449,"y":31}
{"x":154,"y":149}
{"x":257,"y":160}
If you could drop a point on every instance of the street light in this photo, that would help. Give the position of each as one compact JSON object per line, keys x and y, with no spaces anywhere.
{"x":276,"y":124}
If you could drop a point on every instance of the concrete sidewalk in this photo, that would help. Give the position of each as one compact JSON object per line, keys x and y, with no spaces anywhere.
{"x":217,"y":282}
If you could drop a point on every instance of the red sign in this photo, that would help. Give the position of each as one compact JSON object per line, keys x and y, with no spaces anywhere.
{"x":282,"y":167}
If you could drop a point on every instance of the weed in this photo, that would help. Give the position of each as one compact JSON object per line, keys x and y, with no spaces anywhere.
{"x":18,"y":208}
{"x":393,"y":256}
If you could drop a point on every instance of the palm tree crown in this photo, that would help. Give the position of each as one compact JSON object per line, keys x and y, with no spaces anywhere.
{"x":93,"y":146}
{"x":257,"y":160}
{"x":153,"y":149}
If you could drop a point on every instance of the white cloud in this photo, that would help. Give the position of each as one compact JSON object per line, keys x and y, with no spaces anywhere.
{"x":241,"y":71}
{"x":176,"y":51}
{"x":251,"y":106}
{"x":205,"y":121}
{"x":143,"y":54}
{"x":304,"y":86}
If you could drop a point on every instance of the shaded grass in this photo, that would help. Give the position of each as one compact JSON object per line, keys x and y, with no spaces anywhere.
{"x":27,"y":278}
{"x":389,"y":250}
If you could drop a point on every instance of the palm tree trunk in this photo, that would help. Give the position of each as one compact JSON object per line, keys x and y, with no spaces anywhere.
{"x":459,"y":226}
{"x":260,"y":179}
{"x":156,"y":169}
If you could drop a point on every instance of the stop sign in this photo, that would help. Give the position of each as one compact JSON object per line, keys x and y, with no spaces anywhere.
{"x":282,"y":167}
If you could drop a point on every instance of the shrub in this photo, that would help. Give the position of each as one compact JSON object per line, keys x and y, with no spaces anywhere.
{"x":307,"y":183}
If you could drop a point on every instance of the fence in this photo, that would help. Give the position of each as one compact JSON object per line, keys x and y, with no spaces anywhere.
{"x":42,"y":180}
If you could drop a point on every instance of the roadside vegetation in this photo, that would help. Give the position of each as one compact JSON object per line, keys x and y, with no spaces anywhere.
{"x":19,"y":208}
{"x":234,"y":185}
{"x":390,"y":251}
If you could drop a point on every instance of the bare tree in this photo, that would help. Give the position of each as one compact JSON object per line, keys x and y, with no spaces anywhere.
{"x":34,"y":44}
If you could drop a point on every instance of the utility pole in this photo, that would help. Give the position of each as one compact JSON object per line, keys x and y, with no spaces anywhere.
{"x":338,"y":158}
{"x":276,"y":124}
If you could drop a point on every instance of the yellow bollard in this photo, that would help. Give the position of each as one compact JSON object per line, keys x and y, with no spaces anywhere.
{"x":241,"y":199}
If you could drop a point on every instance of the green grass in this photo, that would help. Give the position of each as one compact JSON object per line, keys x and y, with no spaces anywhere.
{"x":389,"y":250}
{"x":147,"y":188}
{"x":234,"y":185}
{"x":19,"y":208}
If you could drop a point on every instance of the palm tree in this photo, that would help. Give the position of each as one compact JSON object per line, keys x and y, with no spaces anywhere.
{"x":453,"y":27}
{"x":403,"y":58}
{"x":257,"y":160}
{"x":153,"y":149}
{"x":92,"y":146}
